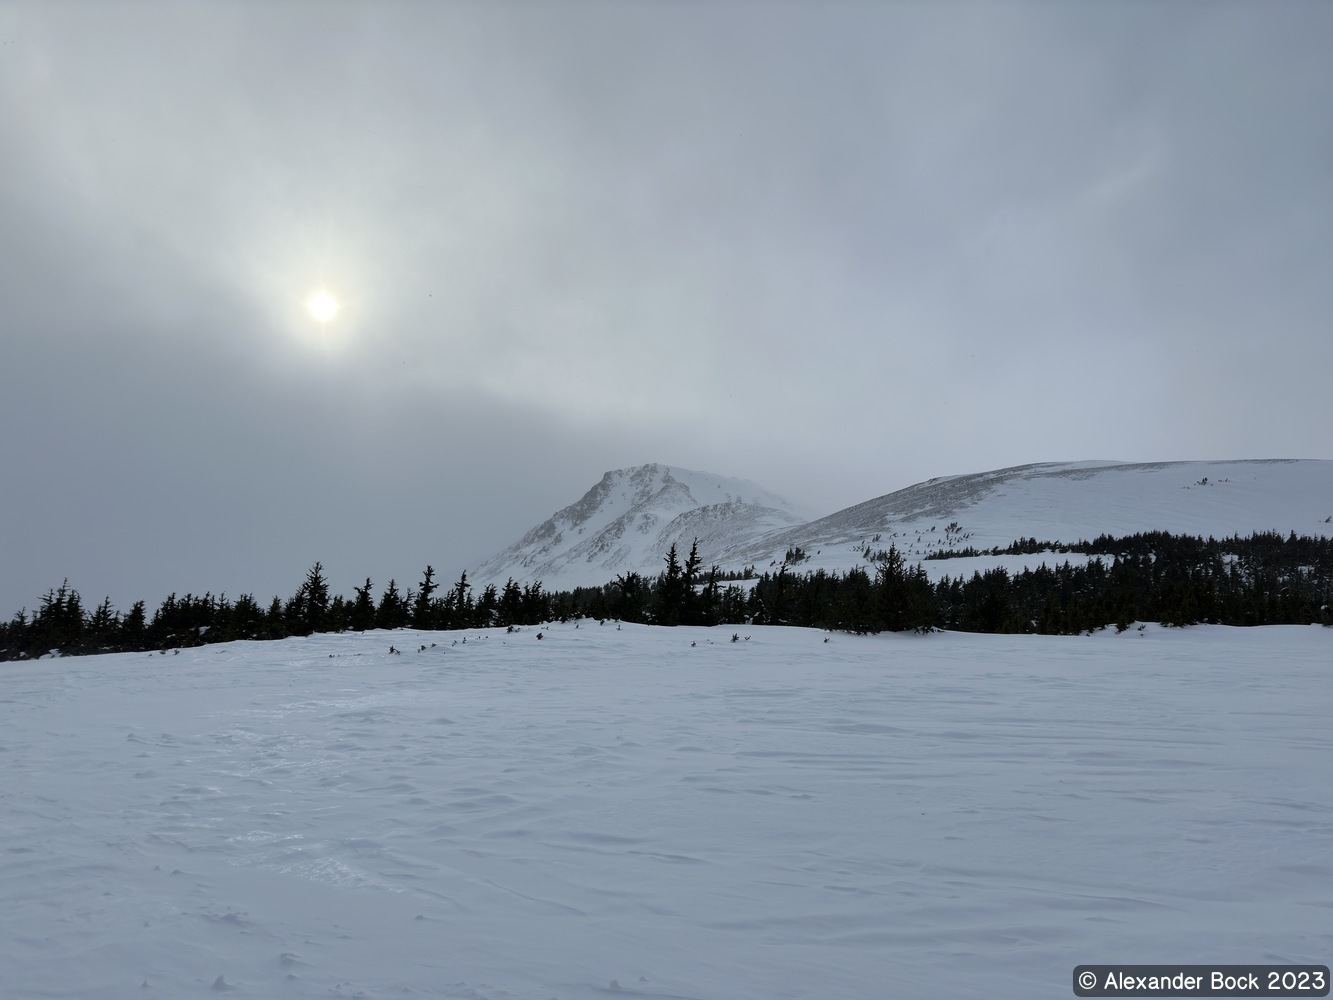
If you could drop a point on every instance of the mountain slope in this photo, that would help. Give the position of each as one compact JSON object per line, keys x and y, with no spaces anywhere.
{"x":1065,"y":501}
{"x":631,"y":518}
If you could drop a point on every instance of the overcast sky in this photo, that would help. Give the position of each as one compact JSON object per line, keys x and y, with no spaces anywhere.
{"x":834,"y":249}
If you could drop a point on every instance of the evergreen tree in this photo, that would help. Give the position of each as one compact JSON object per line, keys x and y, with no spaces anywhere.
{"x":339,"y":614}
{"x":14,"y":636}
{"x":669,"y":596}
{"x":630,"y":602}
{"x":275,"y":627}
{"x":421,"y":611}
{"x":511,"y":604}
{"x":393,"y":609}
{"x":315,"y":606}
{"x":732,"y":606}
{"x":853,"y":608}
{"x":134,"y":628}
{"x":247,"y":618}
{"x":461,"y":602}
{"x":58,"y":624}
{"x":536,"y":602}
{"x":707,"y":604}
{"x":362,"y":614}
{"x":487,"y":606}
{"x":295,"y":613}
{"x":690,"y":613}
{"x":103,"y":627}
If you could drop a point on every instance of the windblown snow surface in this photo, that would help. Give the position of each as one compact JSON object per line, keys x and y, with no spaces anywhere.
{"x":650,"y":812}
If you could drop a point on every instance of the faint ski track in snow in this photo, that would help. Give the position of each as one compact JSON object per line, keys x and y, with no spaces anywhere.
{"x":615,"y":812}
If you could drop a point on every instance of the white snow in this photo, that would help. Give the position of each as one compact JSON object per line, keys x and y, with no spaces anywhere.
{"x":663,"y":812}
{"x":629,"y":519}
{"x":1058,"y":502}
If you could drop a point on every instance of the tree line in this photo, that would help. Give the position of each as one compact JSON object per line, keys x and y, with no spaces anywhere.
{"x":1262,"y":579}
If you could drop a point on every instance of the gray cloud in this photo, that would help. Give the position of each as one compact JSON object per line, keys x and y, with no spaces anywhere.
{"x":832,"y":248}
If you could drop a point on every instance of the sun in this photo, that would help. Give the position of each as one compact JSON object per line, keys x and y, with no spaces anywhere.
{"x":322,"y":306}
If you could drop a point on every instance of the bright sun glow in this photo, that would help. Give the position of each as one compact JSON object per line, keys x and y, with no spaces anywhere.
{"x":322,"y":306}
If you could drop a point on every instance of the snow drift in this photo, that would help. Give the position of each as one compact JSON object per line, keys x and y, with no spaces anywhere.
{"x":653,"y":812}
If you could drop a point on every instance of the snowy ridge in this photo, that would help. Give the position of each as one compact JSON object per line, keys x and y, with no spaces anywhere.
{"x":628,"y":521}
{"x":1065,"y":501}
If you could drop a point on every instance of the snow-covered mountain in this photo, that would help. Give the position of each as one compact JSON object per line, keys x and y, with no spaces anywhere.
{"x":1065,"y":501}
{"x":631,"y":518}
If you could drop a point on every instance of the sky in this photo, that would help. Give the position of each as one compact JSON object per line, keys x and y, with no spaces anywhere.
{"x":835,"y":249}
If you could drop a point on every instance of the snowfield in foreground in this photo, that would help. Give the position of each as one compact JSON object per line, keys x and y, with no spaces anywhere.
{"x":619,"y":813}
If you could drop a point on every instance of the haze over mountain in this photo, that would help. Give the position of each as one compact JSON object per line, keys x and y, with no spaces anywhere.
{"x":852,"y":246}
{"x":629,"y":519}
